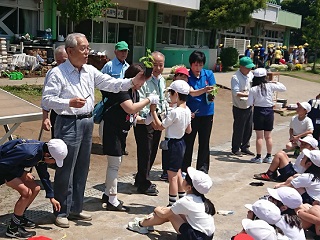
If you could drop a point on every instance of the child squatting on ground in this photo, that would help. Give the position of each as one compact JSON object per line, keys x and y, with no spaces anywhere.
{"x":17,"y":157}
{"x":191,"y":216}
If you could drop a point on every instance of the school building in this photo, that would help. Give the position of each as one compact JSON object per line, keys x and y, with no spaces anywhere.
{"x":156,"y":24}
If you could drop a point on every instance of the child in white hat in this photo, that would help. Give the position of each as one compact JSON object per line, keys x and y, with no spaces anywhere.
{"x":259,"y":229}
{"x":17,"y":158}
{"x":300,"y":125}
{"x":261,"y":97}
{"x":307,"y":183}
{"x":288,"y":200}
{"x":176,"y":124}
{"x":282,"y":163}
{"x":191,"y":216}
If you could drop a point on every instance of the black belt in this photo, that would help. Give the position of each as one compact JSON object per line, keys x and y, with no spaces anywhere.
{"x":81,"y":116}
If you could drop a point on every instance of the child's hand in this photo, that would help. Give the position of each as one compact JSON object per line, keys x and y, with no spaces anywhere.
{"x":153,"y":107}
{"x":29,"y":177}
{"x":56,"y":205}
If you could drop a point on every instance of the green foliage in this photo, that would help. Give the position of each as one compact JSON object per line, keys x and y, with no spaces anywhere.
{"x":229,"y":57}
{"x":79,"y":10}
{"x":224,"y":14}
{"x":214,"y":91}
{"x":147,"y":60}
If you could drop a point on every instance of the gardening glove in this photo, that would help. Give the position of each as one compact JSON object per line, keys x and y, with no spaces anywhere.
{"x":154,"y":99}
{"x":148,"y":119}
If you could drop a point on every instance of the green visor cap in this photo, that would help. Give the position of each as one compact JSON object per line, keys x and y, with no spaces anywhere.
{"x":246,"y":62}
{"x":122,"y":46}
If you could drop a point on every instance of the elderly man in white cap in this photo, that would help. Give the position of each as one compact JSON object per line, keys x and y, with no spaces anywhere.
{"x":17,"y":157}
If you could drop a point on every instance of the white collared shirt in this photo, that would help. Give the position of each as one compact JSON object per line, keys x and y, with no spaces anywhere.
{"x":66,"y":82}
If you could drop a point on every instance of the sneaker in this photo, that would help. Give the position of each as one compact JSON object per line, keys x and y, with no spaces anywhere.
{"x":62,"y":222}
{"x":164,"y":177}
{"x":80,"y":216}
{"x":150,"y":228}
{"x":19,"y":232}
{"x":267,"y":160}
{"x":256,"y":160}
{"x":247,"y":152}
{"x":263,"y":176}
{"x":151,"y":191}
{"x":134,"y":226}
{"x":26,"y":223}
{"x":237,"y":153}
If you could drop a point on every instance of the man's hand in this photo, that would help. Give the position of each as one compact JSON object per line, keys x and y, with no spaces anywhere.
{"x":46,"y":124}
{"x":139,"y":79}
{"x":56,"y":205}
{"x":77,"y":102}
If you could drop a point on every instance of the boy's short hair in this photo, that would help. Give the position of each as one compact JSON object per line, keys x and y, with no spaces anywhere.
{"x":197,"y":56}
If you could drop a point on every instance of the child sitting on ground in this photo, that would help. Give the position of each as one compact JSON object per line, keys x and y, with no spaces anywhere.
{"x":282,"y":163}
{"x":176,"y":124}
{"x":191,"y":216}
{"x":307,"y":183}
{"x":300,"y":125}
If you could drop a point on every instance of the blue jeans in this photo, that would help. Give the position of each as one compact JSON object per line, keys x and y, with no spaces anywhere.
{"x":70,"y":179}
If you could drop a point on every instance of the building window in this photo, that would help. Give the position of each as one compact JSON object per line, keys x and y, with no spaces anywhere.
{"x":181,"y":22}
{"x":11,"y":21}
{"x":194,"y":37}
{"x":206,"y":39}
{"x":166,"y":20}
{"x":122,"y":13}
{"x":85,"y":27}
{"x":28,"y":21}
{"x":174,"y":20}
{"x":138,"y":35}
{"x":142,"y":15}
{"x":163,"y":35}
{"x":112,"y":32}
{"x":200,"y":42}
{"x":180,"y":37}
{"x":173,"y":36}
{"x":97,"y":32}
{"x":132,"y":14}
{"x":188,"y":38}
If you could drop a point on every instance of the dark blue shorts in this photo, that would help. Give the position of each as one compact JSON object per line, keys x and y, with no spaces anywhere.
{"x":8,"y":173}
{"x":174,"y":155}
{"x":286,"y":172}
{"x":263,"y":118}
{"x":188,"y":233}
{"x":306,"y":198}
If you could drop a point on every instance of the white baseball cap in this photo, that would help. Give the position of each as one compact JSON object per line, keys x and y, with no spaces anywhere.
{"x":58,"y":150}
{"x":259,"y":229}
{"x":313,"y":155}
{"x":311,"y":141}
{"x":265,"y":210}
{"x":200,"y":180}
{"x":260,"y":72}
{"x":180,"y":86}
{"x":287,"y":195}
{"x":305,"y":105}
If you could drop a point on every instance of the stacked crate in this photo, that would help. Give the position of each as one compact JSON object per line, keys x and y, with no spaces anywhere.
{"x":3,"y":54}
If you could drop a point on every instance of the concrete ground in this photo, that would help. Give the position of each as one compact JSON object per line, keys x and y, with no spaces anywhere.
{"x":231,"y":177}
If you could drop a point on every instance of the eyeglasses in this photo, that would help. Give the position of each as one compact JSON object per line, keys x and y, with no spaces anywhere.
{"x":83,"y":48}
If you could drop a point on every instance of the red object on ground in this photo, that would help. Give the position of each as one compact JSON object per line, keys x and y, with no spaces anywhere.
{"x":39,"y":238}
{"x":282,"y":61}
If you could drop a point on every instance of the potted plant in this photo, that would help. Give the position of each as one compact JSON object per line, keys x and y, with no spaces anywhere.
{"x":147,"y":61}
{"x":211,"y":95}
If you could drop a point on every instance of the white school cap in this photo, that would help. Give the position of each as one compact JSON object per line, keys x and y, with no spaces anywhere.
{"x":287,"y":195}
{"x":259,"y":229}
{"x":58,"y":150}
{"x":313,"y":155}
{"x":200,"y":180}
{"x":265,"y":210}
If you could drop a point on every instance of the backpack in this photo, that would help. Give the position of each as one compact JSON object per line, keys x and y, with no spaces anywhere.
{"x":99,"y":110}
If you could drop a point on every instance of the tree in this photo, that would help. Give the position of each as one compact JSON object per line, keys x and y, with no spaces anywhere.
{"x":78,"y":10}
{"x":223,"y":14}
{"x":301,"y":7}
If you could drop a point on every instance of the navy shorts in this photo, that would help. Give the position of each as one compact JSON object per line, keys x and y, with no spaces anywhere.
{"x":188,"y":233}
{"x":286,"y":172}
{"x":263,"y":118}
{"x":306,"y":198}
{"x":174,"y":155}
{"x":8,"y":173}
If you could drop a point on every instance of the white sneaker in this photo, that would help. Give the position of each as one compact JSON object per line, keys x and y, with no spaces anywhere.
{"x":62,"y":222}
{"x":267,"y":160}
{"x":134,"y":226}
{"x":256,"y":160}
{"x":137,"y":219}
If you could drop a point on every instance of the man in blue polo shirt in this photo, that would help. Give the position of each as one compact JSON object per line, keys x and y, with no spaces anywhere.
{"x":117,"y":67}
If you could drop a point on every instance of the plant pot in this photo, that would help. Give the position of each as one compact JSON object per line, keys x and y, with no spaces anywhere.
{"x":148,"y":72}
{"x":210,"y":97}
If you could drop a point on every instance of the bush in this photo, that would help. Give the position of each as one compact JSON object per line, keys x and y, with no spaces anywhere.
{"x":229,"y":57}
